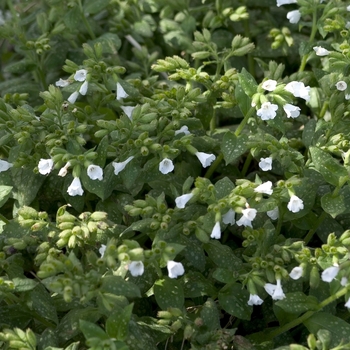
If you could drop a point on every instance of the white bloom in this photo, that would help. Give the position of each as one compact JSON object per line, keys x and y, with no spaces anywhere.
{"x":4,"y":165}
{"x":62,"y":83}
{"x":296,"y":273}
{"x":298,"y":89}
{"x":347,"y":25}
{"x":275,"y":290}
{"x":75,"y":188}
{"x":347,"y":304}
{"x":330,"y":273}
{"x":136,"y":268}
{"x":273,"y":214}
{"x":294,"y":16}
{"x":95,"y":172}
{"x":269,"y":85}
{"x":102,"y":250}
{"x":295,"y":204}
{"x":248,"y":215}
{"x":267,"y":111}
{"x":347,"y":96}
{"x":166,"y":166}
{"x":121,"y":93}
{"x":73,"y":97}
{"x":216,"y":232}
{"x":80,"y":75}
{"x":229,"y":217}
{"x":254,"y":299}
{"x":128,"y":111}
{"x":291,"y":110}
{"x":205,"y":158}
{"x":118,"y":167}
{"x":341,"y":85}
{"x":63,"y":171}
{"x":175,"y":269}
{"x":285,"y":2}
{"x":265,"y":164}
{"x":344,"y":281}
{"x":348,"y":8}
{"x":45,"y":166}
{"x":320,"y":51}
{"x":84,"y":87}
{"x":265,"y":187}
{"x":182,"y":130}
{"x":181,"y":201}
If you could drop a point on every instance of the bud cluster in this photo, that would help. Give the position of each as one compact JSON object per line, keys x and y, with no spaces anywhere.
{"x":18,"y":339}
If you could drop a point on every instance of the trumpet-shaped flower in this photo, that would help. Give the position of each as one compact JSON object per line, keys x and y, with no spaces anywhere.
{"x":118,"y":167}
{"x":295,"y":204}
{"x":296,"y":273}
{"x":294,"y":16}
{"x":128,"y":111}
{"x":275,"y":290}
{"x":136,"y":268}
{"x":205,"y":158}
{"x":80,"y":75}
{"x":45,"y":166}
{"x":229,"y":217}
{"x":248,"y":215}
{"x":341,"y":85}
{"x":73,"y":97}
{"x":102,"y":250}
{"x":267,"y":111}
{"x":265,"y":188}
{"x":273,"y":214}
{"x":344,"y":281}
{"x":330,"y":273}
{"x":265,"y":164}
{"x":121,"y":93}
{"x":4,"y":165}
{"x":75,"y":188}
{"x":254,"y":299}
{"x":62,"y":83}
{"x":321,"y":51}
{"x":63,"y":171}
{"x":166,"y":166}
{"x":269,"y":85}
{"x":181,"y":201}
{"x":95,"y":172}
{"x":175,"y":269}
{"x":216,"y":232}
{"x":347,"y":304}
{"x":182,"y":130}
{"x":291,"y":110}
{"x":298,"y":89}
{"x":285,"y":2}
{"x":84,"y":87}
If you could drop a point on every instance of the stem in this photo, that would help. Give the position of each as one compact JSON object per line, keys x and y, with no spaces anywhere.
{"x":213,"y":167}
{"x":2,"y":218}
{"x":244,"y":121}
{"x":213,"y":121}
{"x":246,"y":164}
{"x":313,"y":230}
{"x":85,"y":21}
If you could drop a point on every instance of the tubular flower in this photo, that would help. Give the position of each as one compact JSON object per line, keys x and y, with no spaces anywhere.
{"x":95,"y":172}
{"x":166,"y":166}
{"x":128,"y":111}
{"x":83,"y":88}
{"x":175,"y":269}
{"x":62,"y":83}
{"x":320,"y":51}
{"x":136,"y":268}
{"x":216,"y":232}
{"x":291,"y":110}
{"x":80,"y":75}
{"x":254,"y":299}
{"x":121,"y":93}
{"x":118,"y":167}
{"x":296,"y":273}
{"x":45,"y":166}
{"x":75,"y":188}
{"x":73,"y":97}
{"x":182,"y":130}
{"x":248,"y":215}
{"x":330,"y":273}
{"x":275,"y":290}
{"x":4,"y":165}
{"x":341,"y":85}
{"x":63,"y":171}
{"x":295,"y":204}
{"x":285,"y":2}
{"x":205,"y":158}
{"x":181,"y":201}
{"x":273,"y":214}
{"x":267,"y":111}
{"x":269,"y":85}
{"x":298,"y":89}
{"x":265,"y":164}
{"x":229,"y":217}
{"x":294,"y":16}
{"x":265,"y":188}
{"x":102,"y":250}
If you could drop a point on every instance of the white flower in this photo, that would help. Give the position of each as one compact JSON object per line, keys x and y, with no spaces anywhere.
{"x":294,"y":16}
{"x":63,"y":171}
{"x":175,"y":269}
{"x":320,"y":51}
{"x":254,"y":299}
{"x":341,"y":85}
{"x":344,"y":281}
{"x":275,"y":290}
{"x":347,"y":96}
{"x":269,"y":85}
{"x":296,"y":273}
{"x":205,"y":158}
{"x":273,"y":214}
{"x":285,"y":2}
{"x":136,"y":268}
{"x":102,"y":250}
{"x":45,"y":166}
{"x":181,"y":201}
{"x":216,"y":232}
{"x":291,"y":110}
{"x":295,"y":204}
{"x":95,"y":172}
{"x":62,"y":83}
{"x":84,"y":87}
{"x":166,"y":166}
{"x":4,"y":165}
{"x":348,"y":8}
{"x":265,"y":187}
{"x":298,"y":89}
{"x":75,"y":188}
{"x":128,"y":111}
{"x":248,"y":215}
{"x":73,"y":97}
{"x":121,"y":93}
{"x":347,"y":304}
{"x":118,"y":167}
{"x":182,"y":130}
{"x":229,"y":217}
{"x":80,"y":75}
{"x":265,"y":164}
{"x":347,"y":25}
{"x":330,"y":273}
{"x":267,"y":111}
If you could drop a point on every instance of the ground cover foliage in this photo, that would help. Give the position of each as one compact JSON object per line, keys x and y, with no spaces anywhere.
{"x":174,"y":174}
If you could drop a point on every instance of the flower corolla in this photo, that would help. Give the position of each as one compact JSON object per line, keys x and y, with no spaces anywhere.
{"x":181,"y":201}
{"x":294,"y":16}
{"x":265,"y":188}
{"x":182,"y":130}
{"x":4,"y":165}
{"x":267,"y":111}
{"x":341,"y":85}
{"x":83,"y":88}
{"x":330,"y":273}
{"x":121,"y":93}
{"x":73,"y":97}
{"x":248,"y":215}
{"x":269,"y":85}
{"x":128,"y":111}
{"x":63,"y":171}
{"x":275,"y":290}
{"x":75,"y":188}
{"x":321,"y":51}
{"x":118,"y":167}
{"x":95,"y":172}
{"x":295,"y":204}
{"x":216,"y":232}
{"x":102,"y":250}
{"x":291,"y":110}
{"x":285,"y":2}
{"x":45,"y":166}
{"x":229,"y":217}
{"x":175,"y":269}
{"x":136,"y":268}
{"x":265,"y":164}
{"x":80,"y":75}
{"x":62,"y":83}
{"x":254,"y":299}
{"x":296,"y":273}
{"x":166,"y":166}
{"x":205,"y":158}
{"x":298,"y":89}
{"x":273,"y":214}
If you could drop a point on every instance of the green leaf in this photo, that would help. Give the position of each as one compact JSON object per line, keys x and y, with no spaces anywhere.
{"x":5,"y":192}
{"x":234,"y":300}
{"x":247,"y":82}
{"x":94,"y":6}
{"x":118,"y":286}
{"x":309,"y":132}
{"x":223,"y":187}
{"x":91,"y":330}
{"x":110,"y":44}
{"x":244,"y":101}
{"x":196,"y":285}
{"x":331,"y":170}
{"x":232,"y":146}
{"x":24,"y":284}
{"x":298,"y":302}
{"x":117,"y":323}
{"x":210,"y":315}
{"x":336,"y":205}
{"x":72,"y":19}
{"x":169,"y":293}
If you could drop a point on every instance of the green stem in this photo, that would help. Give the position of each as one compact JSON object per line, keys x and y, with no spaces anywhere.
{"x":313,"y":230}
{"x":213,"y":167}
{"x":279,"y":224}
{"x":85,"y":21}
{"x":246,"y":164}
{"x":2,"y":218}
{"x":244,"y":121}
{"x":213,"y":121}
